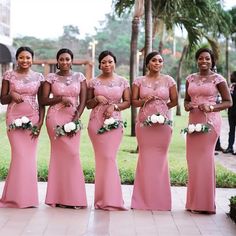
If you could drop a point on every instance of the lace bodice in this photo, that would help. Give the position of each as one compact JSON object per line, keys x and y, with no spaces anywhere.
{"x":112,"y":90}
{"x":67,"y":86}
{"x":160,"y":89}
{"x":25,"y":84}
{"x":203,"y":89}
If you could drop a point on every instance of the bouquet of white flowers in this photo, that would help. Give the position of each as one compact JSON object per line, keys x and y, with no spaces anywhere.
{"x":21,"y":123}
{"x":156,"y":119}
{"x":110,"y":124}
{"x":199,"y":128}
{"x":68,"y":129}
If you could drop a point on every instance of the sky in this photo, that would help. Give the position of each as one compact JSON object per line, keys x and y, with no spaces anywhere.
{"x":46,"y":18}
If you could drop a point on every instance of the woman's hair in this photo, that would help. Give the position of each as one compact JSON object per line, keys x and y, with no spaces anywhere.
{"x":21,"y":49}
{"x":104,"y":54}
{"x":65,"y":50}
{"x":201,"y":50}
{"x":150,"y":56}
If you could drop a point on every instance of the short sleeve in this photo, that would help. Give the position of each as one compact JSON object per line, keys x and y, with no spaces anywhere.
{"x":138,"y":81}
{"x":91,"y":83}
{"x":50,"y":78}
{"x":189,"y":78}
{"x":7,"y":75}
{"x":219,"y":79}
{"x":171,"y":81}
{"x":125,"y":83}
{"x":41,"y":77}
{"x":80,"y":77}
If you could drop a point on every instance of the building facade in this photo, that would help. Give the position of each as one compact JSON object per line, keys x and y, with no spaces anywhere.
{"x":6,"y":50}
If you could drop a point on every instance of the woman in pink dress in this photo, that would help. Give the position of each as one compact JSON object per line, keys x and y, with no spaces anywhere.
{"x":108,"y":95}
{"x":155,"y":93}
{"x":66,"y":185}
{"x":202,"y":89}
{"x":20,"y":90}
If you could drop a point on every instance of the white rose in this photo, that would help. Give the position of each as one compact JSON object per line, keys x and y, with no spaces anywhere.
{"x":191,"y":128}
{"x":72,"y":126}
{"x":25,"y":119}
{"x":109,"y":121}
{"x":198,"y":127}
{"x":18,"y":122}
{"x":67,"y":128}
{"x":154,"y":118}
{"x":161,"y":119}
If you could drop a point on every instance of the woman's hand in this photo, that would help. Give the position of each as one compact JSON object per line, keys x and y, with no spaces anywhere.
{"x":101,"y":99}
{"x":36,"y":130}
{"x":204,"y":108}
{"x":16,"y":97}
{"x":66,"y":102}
{"x":148,"y":99}
{"x":108,"y":112}
{"x":188,"y":106}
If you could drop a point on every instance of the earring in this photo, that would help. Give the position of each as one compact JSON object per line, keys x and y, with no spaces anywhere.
{"x":57,"y":66}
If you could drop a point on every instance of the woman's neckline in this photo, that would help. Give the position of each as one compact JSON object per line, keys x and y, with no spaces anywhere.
{"x":65,"y":75}
{"x":23,"y":72}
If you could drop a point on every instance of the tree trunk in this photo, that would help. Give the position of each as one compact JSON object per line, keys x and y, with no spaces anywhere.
{"x":133,"y":65}
{"x":148,"y":30}
{"x":184,"y":52}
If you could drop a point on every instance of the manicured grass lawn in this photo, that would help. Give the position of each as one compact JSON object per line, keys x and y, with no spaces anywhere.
{"x":126,"y":159}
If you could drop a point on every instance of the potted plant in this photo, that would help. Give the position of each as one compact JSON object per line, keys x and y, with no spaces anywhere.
{"x":232,"y":212}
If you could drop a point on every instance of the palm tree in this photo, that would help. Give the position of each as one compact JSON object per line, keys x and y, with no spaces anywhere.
{"x":197,"y":18}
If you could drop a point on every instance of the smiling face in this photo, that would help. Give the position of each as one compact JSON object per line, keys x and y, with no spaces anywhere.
{"x":64,"y":61}
{"x":156,"y":63}
{"x":107,"y":64}
{"x":24,"y":60}
{"x":204,"y":61}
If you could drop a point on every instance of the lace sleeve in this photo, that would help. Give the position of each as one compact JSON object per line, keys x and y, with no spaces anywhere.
{"x":171,"y":81}
{"x":138,"y":81}
{"x":80,"y":77}
{"x":125,"y":83}
{"x":7,"y":75}
{"x":91,"y":83}
{"x":219,"y":78}
{"x":50,"y":78}
{"x":41,"y":77}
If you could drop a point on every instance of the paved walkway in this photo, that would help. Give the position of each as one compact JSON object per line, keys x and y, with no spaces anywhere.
{"x":47,"y":221}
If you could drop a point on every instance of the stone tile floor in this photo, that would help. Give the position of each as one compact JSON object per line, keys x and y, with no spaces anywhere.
{"x":48,"y":221}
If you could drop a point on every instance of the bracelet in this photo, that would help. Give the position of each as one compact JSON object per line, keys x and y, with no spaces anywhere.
{"x":211,"y":108}
{"x":116,"y":108}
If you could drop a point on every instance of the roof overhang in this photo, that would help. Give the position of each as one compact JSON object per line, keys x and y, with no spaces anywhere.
{"x":7,"y":54}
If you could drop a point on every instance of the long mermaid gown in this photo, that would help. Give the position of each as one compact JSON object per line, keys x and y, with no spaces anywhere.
{"x":152,"y":182}
{"x":108,"y":193}
{"x":21,"y":190}
{"x":200,"y":147}
{"x":66,"y":185}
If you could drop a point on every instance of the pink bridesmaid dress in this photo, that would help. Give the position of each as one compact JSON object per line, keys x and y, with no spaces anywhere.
{"x":152,"y":182}
{"x":108,"y":193}
{"x":200,"y":146}
{"x":20,"y":190}
{"x":66,"y":185}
